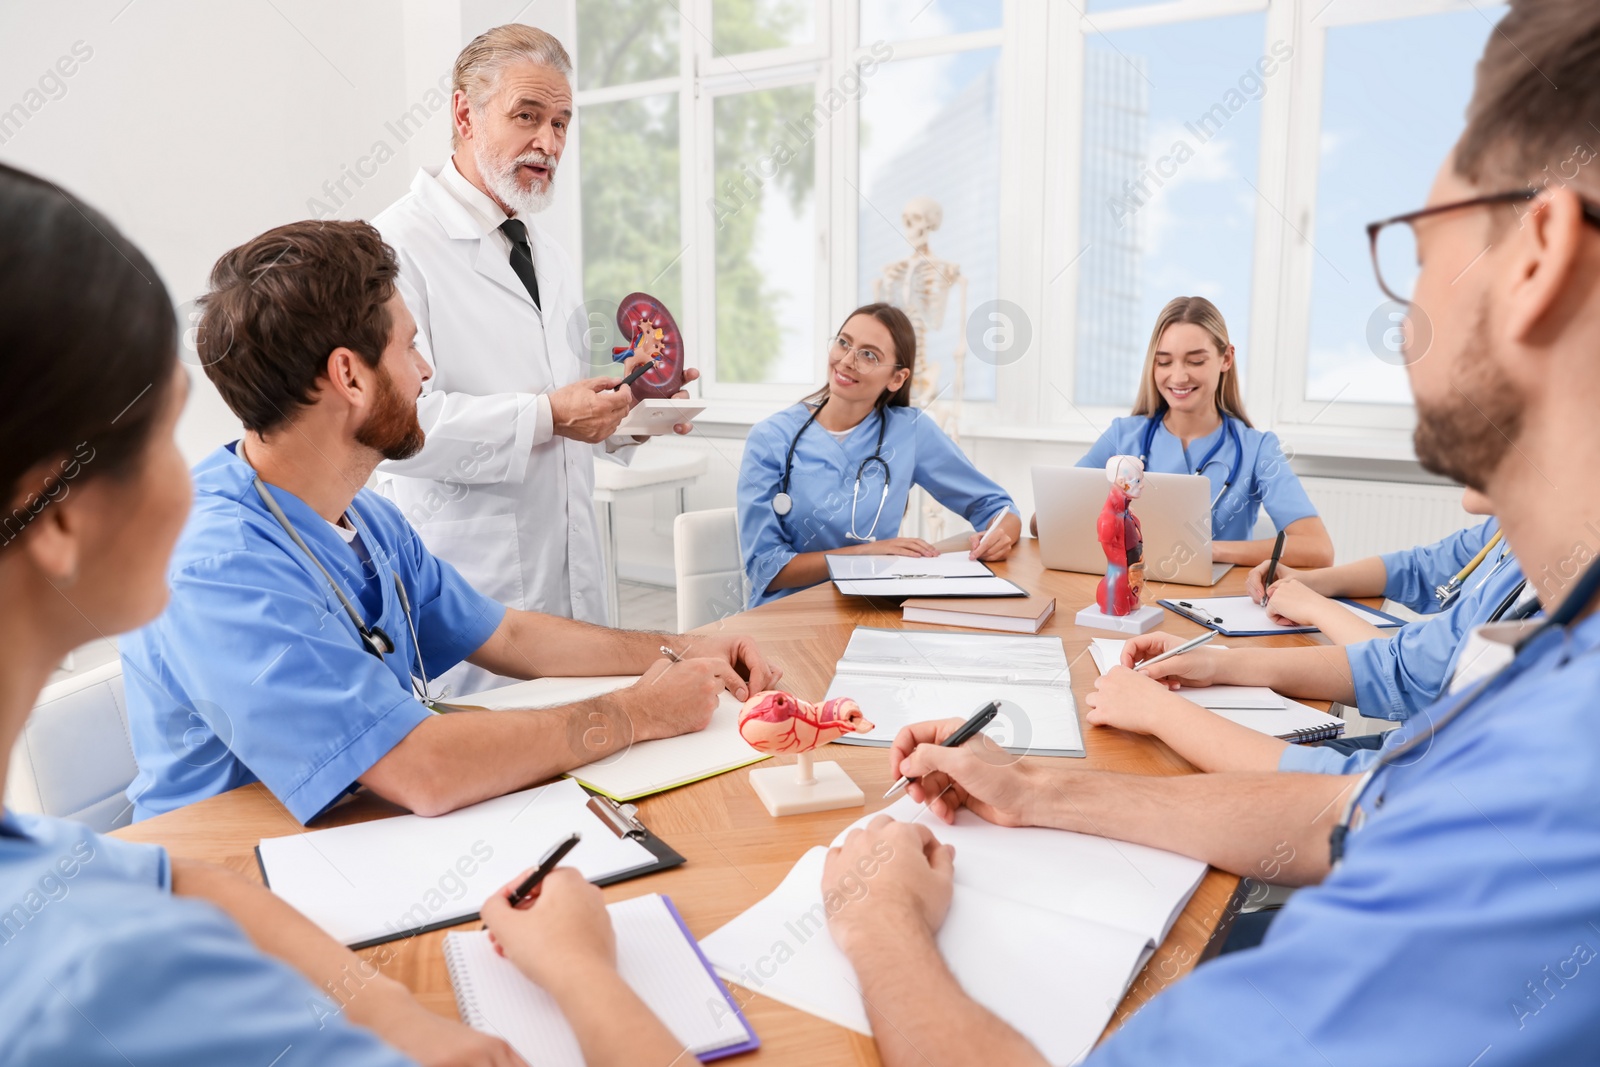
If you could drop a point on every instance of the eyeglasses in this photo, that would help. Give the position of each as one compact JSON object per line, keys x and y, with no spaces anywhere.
{"x":869,"y":358}
{"x":1394,"y":246}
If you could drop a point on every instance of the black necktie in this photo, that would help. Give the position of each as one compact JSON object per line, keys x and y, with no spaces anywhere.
{"x":522,"y":256}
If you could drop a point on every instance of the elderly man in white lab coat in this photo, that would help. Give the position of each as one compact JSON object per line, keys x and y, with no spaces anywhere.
{"x":504,"y":487}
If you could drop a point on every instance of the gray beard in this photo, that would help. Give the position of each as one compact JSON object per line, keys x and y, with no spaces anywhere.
{"x":501,"y":179}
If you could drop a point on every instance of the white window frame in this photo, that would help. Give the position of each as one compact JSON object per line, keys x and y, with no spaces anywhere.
{"x":705,"y":75}
{"x":1297,"y":253}
{"x":1042,"y":49}
{"x":1058,"y":407}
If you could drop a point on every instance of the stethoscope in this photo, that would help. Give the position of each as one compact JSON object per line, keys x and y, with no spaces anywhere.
{"x":783,"y":503}
{"x":1582,"y":592}
{"x":374,"y":638}
{"x":1446,"y":594}
{"x":1153,"y":423}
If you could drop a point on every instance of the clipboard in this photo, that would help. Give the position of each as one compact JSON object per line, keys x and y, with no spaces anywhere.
{"x":1197,"y":612}
{"x":621,"y":819}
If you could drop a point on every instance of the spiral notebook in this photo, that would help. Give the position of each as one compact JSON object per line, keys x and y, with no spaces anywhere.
{"x":656,"y":955}
{"x":1274,"y":715}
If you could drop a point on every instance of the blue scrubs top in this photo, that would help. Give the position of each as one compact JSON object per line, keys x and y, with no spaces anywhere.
{"x":1412,"y":573}
{"x":100,"y":964}
{"x":822,"y":480}
{"x":255,"y":673}
{"x":1397,"y":677}
{"x":1463,"y":926}
{"x":1264,"y":480}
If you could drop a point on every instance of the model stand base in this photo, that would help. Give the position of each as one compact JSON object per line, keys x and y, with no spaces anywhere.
{"x":805,"y":787}
{"x":1144,"y":620}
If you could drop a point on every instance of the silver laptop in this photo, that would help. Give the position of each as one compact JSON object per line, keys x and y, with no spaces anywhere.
{"x":1174,"y":514}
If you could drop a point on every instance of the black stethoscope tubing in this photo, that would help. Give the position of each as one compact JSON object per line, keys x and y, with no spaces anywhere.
{"x":1230,"y":433}
{"x":783,"y":503}
{"x":375,"y":639}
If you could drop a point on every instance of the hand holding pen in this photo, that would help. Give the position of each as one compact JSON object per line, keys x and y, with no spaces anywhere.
{"x":963,"y":733}
{"x":981,"y":776}
{"x":564,"y":928}
{"x":1272,"y":567}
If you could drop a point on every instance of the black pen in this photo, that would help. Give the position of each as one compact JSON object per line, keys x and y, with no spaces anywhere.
{"x":546,"y":865}
{"x":1272,"y":568}
{"x":964,"y":733}
{"x":637,"y":373}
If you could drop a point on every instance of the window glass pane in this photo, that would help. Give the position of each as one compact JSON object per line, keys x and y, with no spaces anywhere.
{"x":1172,"y":125}
{"x":755,"y":25}
{"x":930,"y":150}
{"x":629,"y":175}
{"x":622,"y":41}
{"x":898,"y":20}
{"x":1393,"y":103}
{"x":1112,"y":5}
{"x":766,"y":232}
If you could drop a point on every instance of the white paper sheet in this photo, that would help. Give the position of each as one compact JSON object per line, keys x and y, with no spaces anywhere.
{"x":928,"y":587}
{"x":945,"y":565}
{"x":901,"y":677}
{"x":1107,"y":653}
{"x":1246,"y":705}
{"x":1054,"y":977}
{"x":375,"y":880}
{"x":1134,"y":887}
{"x":647,"y":766}
{"x":1240,"y":614}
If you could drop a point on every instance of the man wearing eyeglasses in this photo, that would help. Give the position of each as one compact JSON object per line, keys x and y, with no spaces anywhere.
{"x":1454,"y":914}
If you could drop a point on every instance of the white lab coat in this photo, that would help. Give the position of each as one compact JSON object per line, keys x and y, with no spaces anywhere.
{"x":493,"y":491}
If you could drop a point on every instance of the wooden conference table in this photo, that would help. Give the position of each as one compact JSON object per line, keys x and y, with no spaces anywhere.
{"x":736,"y":852}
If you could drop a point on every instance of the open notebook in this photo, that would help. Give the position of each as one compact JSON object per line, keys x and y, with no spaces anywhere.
{"x":900,"y":677}
{"x":950,"y":574}
{"x":1253,"y":706}
{"x":656,"y":955}
{"x":1046,"y":928}
{"x":647,"y":766}
{"x":376,"y":881}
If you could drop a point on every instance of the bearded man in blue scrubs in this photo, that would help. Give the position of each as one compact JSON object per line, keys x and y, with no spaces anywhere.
{"x":1454,"y":908}
{"x":307,"y":615}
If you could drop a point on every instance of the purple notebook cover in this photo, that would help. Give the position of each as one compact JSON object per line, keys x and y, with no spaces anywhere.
{"x":732,"y":1050}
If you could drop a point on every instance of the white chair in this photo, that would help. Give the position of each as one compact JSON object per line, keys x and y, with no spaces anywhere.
{"x":710,"y":572}
{"x":74,"y":759}
{"x":650,"y":470}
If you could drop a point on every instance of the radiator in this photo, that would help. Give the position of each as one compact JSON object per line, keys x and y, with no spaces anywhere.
{"x":1365,"y":518}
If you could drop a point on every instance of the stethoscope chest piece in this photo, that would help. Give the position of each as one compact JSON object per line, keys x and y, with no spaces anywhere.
{"x":378,"y":641}
{"x":783,"y":503}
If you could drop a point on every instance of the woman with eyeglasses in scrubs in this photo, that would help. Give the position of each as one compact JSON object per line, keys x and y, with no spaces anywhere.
{"x":832,"y":474}
{"x":1188,"y":419}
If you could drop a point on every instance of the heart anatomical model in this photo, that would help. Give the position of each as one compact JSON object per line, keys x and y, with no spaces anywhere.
{"x":774,"y":721}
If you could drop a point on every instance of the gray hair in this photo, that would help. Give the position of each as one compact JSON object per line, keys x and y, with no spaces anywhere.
{"x":481,"y":62}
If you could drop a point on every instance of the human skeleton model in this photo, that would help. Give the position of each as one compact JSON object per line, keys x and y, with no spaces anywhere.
{"x":1121,"y":538}
{"x":920,"y":286}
